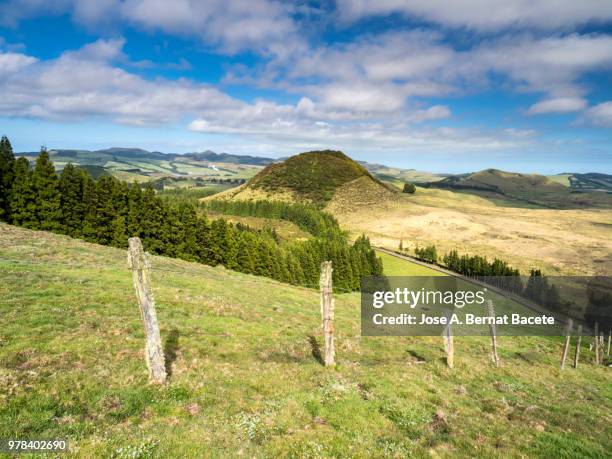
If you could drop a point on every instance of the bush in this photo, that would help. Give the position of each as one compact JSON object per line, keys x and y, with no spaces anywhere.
{"x":409,"y":188}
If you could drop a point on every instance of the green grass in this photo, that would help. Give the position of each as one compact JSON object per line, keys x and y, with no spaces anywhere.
{"x":244,"y":379}
{"x":394,"y":266}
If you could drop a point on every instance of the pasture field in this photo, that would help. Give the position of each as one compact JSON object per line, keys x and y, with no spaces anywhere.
{"x":558,"y":241}
{"x":245,"y":377}
{"x":397,"y":267}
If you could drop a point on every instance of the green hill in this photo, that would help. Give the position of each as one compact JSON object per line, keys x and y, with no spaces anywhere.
{"x":245,"y":377}
{"x":312,"y":177}
{"x":531,"y":189}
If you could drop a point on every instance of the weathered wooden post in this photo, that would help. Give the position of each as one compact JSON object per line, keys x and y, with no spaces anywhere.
{"x":450,"y":356}
{"x":449,"y":345}
{"x":568,"y":337}
{"x":493,"y":331}
{"x":596,"y":342}
{"x":609,"y":339}
{"x":139,"y":263}
{"x":327,"y":312}
{"x":577,"y":353}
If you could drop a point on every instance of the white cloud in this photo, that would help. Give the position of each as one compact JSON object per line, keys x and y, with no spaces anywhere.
{"x":84,"y":83}
{"x":551,"y":65}
{"x":601,"y":114}
{"x":558,"y":105}
{"x":13,"y":62}
{"x":520,"y":133}
{"x":260,"y":25}
{"x":485,"y":14}
{"x":436,"y":112}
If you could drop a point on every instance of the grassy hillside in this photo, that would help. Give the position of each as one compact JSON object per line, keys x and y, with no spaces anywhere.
{"x":313,"y":176}
{"x":245,"y":379}
{"x":397,"y":267}
{"x":533,"y":189}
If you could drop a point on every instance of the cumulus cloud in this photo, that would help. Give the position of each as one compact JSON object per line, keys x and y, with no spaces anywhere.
{"x":558,"y":105}
{"x":260,"y":25}
{"x":13,"y":62}
{"x":84,"y":83}
{"x":436,"y":112}
{"x":601,"y":114}
{"x":484,"y":14}
{"x":551,"y":64}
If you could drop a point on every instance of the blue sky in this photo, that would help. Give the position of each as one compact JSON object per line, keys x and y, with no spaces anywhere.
{"x":434,"y":85}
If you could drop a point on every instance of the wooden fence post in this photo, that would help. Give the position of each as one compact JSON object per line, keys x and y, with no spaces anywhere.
{"x":577,"y":353}
{"x":139,"y":263}
{"x":609,"y":339}
{"x":568,"y":337}
{"x":449,"y":345}
{"x":327,"y":312}
{"x":596,"y":343}
{"x":492,"y":330}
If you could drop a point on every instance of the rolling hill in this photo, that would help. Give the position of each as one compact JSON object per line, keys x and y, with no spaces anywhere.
{"x":138,"y":165}
{"x":315,"y":177}
{"x":531,"y":189}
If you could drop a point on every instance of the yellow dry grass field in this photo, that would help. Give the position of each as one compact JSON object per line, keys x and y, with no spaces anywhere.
{"x":556,"y":241}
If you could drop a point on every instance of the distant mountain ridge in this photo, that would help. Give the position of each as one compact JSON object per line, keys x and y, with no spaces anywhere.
{"x":139,"y":153}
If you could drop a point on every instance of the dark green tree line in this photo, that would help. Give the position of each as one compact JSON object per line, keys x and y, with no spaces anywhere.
{"x":108,"y":211}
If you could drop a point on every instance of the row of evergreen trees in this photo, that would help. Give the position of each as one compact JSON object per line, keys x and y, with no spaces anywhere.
{"x":475,"y":265}
{"x":108,"y":211}
{"x":428,"y":254}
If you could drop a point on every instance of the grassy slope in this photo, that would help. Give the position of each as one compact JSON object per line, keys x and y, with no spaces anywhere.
{"x":244,"y":380}
{"x":397,"y":267}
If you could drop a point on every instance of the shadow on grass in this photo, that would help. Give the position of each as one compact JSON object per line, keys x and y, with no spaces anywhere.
{"x":170,"y":347}
{"x":417,"y":356}
{"x":315,"y":349}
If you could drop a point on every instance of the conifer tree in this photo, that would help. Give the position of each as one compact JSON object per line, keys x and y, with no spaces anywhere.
{"x":71,"y":185}
{"x":245,"y":256}
{"x":7,"y":161}
{"x":22,"y":197}
{"x":48,"y":198}
{"x":134,"y":224}
{"x":188,"y":247}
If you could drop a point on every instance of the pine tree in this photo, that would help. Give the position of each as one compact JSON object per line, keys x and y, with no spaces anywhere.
{"x":188,"y":219}
{"x":71,"y":186}
{"x":245,"y":257}
{"x":22,"y":197}
{"x":152,"y":217}
{"x":7,"y":161}
{"x":48,"y":198}
{"x":134,"y":224}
